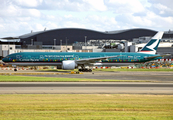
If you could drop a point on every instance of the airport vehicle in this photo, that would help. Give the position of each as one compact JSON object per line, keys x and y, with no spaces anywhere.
{"x":72,"y":60}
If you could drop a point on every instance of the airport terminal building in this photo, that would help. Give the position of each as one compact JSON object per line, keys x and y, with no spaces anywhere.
{"x":76,"y":40}
{"x":72,"y":35}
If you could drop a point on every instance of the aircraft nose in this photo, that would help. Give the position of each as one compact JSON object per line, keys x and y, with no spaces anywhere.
{"x":4,"y":59}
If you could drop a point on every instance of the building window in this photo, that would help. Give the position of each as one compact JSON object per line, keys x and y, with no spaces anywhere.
{"x":11,"y":48}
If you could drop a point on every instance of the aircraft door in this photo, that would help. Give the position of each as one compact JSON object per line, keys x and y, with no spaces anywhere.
{"x":76,"y":57}
{"x":135,"y":58}
{"x":41,"y":57}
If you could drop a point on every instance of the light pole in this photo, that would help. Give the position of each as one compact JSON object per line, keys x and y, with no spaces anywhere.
{"x":8,"y":48}
{"x":61,"y":42}
{"x":54,"y":42}
{"x":31,"y":42}
{"x":66,"y":44}
{"x":61,"y":45}
{"x":85,"y":42}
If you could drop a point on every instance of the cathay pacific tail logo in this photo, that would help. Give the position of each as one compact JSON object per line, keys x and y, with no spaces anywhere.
{"x":151,"y":46}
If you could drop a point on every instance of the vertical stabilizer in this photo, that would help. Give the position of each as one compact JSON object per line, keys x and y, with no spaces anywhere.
{"x":152,"y":45}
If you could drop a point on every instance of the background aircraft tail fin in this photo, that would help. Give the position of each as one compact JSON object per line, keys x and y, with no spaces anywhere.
{"x":152,"y":45}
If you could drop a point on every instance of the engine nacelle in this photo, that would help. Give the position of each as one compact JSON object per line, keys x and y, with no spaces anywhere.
{"x":68,"y":65}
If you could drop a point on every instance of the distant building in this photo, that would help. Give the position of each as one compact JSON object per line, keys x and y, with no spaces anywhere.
{"x":80,"y":40}
{"x":73,"y":35}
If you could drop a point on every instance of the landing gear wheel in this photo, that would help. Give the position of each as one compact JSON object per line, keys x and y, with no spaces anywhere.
{"x":85,"y":70}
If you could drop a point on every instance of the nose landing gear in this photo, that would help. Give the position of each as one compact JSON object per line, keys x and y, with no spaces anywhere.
{"x":15,"y":69}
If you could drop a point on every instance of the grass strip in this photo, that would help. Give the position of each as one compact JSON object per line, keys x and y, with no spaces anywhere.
{"x":54,"y":79}
{"x":86,"y":106}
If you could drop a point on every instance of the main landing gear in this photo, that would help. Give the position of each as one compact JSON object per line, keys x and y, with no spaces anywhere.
{"x":85,"y":70}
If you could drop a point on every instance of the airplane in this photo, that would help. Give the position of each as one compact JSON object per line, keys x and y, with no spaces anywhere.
{"x":73,"y":60}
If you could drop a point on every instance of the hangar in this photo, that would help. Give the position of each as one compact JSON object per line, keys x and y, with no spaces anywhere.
{"x":71,"y":35}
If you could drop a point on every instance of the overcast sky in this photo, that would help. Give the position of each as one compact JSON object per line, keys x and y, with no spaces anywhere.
{"x":18,"y":17}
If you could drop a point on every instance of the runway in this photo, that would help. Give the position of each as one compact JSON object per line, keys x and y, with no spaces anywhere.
{"x":85,"y":88}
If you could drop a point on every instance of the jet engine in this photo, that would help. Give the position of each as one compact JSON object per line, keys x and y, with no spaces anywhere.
{"x":68,"y":65}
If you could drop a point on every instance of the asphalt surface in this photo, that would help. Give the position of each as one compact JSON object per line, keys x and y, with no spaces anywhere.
{"x":160,"y":83}
{"x":118,"y":75}
{"x":85,"y":88}
{"x":121,"y":75}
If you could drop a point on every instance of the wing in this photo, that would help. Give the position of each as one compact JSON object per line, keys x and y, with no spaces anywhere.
{"x":152,"y":57}
{"x":93,"y":60}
